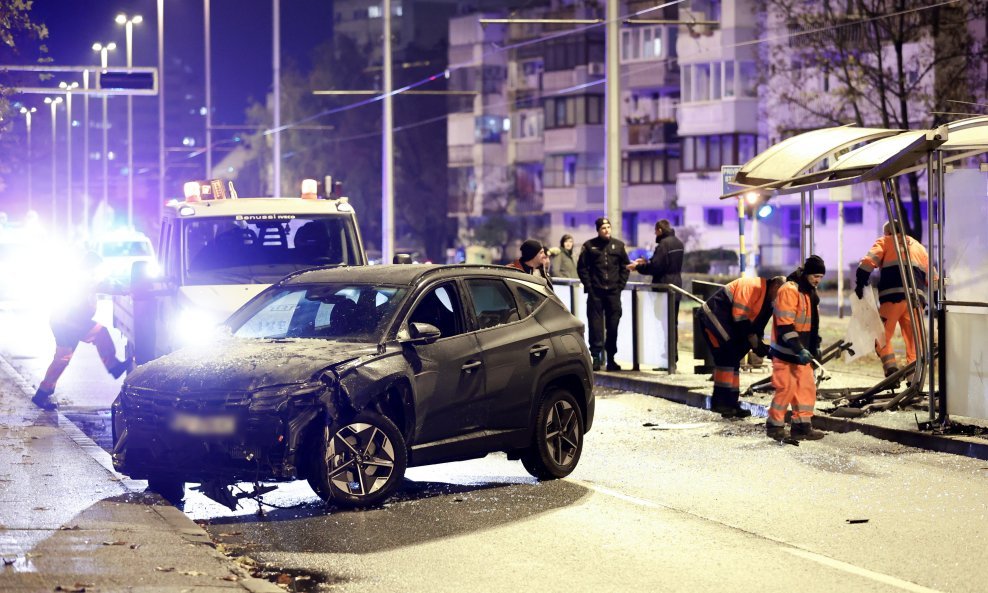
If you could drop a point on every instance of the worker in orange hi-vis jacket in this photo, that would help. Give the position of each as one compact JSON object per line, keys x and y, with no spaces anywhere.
{"x":893,"y":307}
{"x":734,"y":321}
{"x":795,"y":343}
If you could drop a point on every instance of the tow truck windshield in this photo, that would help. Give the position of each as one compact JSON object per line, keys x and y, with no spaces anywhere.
{"x":264,"y":248}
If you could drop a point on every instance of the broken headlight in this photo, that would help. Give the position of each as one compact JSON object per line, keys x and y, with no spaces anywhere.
{"x":270,"y":399}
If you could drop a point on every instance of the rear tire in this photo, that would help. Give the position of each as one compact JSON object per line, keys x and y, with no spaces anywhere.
{"x":557,"y":441}
{"x":361,"y":461}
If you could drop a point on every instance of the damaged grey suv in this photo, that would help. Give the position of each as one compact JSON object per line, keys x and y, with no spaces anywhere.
{"x":347,"y":376}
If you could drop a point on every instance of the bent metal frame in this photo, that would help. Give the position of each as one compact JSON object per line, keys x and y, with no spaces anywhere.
{"x":845,"y":156}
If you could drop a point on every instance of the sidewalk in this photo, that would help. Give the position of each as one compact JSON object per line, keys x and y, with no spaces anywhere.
{"x":68,"y":522}
{"x":899,"y":426}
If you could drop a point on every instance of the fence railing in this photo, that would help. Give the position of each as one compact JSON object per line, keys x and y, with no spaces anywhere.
{"x":647,"y":332}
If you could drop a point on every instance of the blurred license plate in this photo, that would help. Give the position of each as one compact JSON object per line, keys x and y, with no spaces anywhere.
{"x":204,"y":425}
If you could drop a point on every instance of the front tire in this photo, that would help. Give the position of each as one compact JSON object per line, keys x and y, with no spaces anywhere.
{"x":362,"y":461}
{"x":558,"y":439}
{"x":171,"y":489}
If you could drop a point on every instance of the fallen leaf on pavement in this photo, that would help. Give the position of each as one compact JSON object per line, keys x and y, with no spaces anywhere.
{"x":231,"y":534}
{"x":231,"y":578}
{"x":284,"y":579}
{"x":69,"y":528}
{"x":115,"y":543}
{"x":134,"y":546}
{"x":193,"y":573}
{"x":855,"y":521}
{"x":8,"y":561}
{"x":165,"y":568}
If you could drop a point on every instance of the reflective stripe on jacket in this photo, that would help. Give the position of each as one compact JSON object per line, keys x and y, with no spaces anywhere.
{"x":792,"y":323}
{"x":882,"y":255}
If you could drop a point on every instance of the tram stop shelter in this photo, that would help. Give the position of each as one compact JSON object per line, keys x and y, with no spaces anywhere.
{"x":949,"y":335}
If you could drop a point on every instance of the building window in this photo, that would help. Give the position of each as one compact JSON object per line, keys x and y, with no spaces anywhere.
{"x":821,"y":215}
{"x":560,"y":170}
{"x":374,"y":12}
{"x":641,"y":43}
{"x":488,"y":128}
{"x":713,"y":216}
{"x":640,"y":168}
{"x":853,"y":214}
{"x":748,"y":75}
{"x":710,"y":153}
{"x":728,"y":79}
{"x":567,"y":112}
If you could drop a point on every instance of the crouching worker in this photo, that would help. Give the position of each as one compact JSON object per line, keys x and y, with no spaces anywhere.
{"x":734,"y":321}
{"x":795,"y":331}
{"x":73,"y":323}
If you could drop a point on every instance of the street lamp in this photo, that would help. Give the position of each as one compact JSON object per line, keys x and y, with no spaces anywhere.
{"x":68,"y":88}
{"x":128,"y":24}
{"x":30,"y":189}
{"x":53,"y":101}
{"x":103,"y":58}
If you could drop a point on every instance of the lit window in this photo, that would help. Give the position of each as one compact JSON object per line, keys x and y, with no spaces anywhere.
{"x":374,"y":12}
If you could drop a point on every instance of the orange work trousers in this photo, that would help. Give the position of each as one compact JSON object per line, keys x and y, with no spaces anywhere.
{"x":892,"y":314}
{"x":794,"y":387}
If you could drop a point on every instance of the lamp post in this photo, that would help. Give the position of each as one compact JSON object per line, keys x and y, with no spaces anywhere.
{"x":128,"y":24}
{"x":68,"y":88}
{"x":30,"y":188}
{"x":53,"y":101}
{"x":85,"y":152}
{"x":103,"y":49}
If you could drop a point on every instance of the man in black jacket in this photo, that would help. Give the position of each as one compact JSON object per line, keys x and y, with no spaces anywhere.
{"x":666,"y":264}
{"x":603,"y":271}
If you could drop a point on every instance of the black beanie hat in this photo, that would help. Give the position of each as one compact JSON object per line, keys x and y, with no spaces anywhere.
{"x":601,"y":221}
{"x":814,"y":265}
{"x":530,"y":249}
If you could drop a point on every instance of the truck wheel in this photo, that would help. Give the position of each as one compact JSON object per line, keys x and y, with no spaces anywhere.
{"x":362,"y":460}
{"x":557,"y":441}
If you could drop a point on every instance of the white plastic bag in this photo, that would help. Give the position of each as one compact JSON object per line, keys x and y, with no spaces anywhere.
{"x":865,"y":328}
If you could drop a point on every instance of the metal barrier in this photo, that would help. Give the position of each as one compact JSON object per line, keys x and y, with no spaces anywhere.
{"x":648,"y":335}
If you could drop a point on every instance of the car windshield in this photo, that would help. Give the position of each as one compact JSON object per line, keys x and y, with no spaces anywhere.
{"x":343,"y":312}
{"x":126,"y":249}
{"x":264,"y":248}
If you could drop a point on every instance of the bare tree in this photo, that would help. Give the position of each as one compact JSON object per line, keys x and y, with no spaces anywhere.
{"x":889,"y":63}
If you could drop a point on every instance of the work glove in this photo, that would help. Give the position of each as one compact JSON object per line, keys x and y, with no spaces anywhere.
{"x":859,"y":289}
{"x":804,"y":356}
{"x":761,"y":349}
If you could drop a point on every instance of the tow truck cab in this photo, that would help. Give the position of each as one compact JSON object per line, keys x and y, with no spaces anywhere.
{"x":217,"y":252}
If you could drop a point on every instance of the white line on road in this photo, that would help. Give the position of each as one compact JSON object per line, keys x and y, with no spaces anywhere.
{"x":818,"y":558}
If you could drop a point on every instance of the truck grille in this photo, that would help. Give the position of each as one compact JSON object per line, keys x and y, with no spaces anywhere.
{"x":157,"y":407}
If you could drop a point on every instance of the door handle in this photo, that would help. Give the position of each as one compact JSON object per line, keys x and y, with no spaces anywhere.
{"x":538,"y":350}
{"x":470,"y":366}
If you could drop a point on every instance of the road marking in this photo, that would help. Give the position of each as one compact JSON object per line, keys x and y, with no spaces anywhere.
{"x":818,"y":558}
{"x":862,"y":572}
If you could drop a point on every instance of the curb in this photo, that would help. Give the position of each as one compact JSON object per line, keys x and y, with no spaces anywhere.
{"x":958,"y":445}
{"x":178,"y":521}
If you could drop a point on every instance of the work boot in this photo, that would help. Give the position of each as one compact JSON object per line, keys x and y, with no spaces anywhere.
{"x":611,"y":365}
{"x":735,"y":411}
{"x":776,"y":433}
{"x":597,"y":361}
{"x":804,"y":431}
{"x":42,"y":399}
{"x":891,"y":371}
{"x":122,"y":367}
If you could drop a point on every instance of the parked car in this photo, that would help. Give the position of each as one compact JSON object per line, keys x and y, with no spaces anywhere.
{"x":347,"y":376}
{"x":120,"y":250}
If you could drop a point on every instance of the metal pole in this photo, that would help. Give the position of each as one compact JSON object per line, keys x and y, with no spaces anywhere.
{"x":276,"y":72}
{"x":840,"y":260}
{"x":931,"y":200}
{"x":387,"y":152}
{"x":129,"y":28}
{"x":811,"y":215}
{"x":30,"y":157}
{"x":85,"y":151}
{"x":106,"y":155}
{"x":68,"y":163}
{"x":612,"y":128}
{"x":209,"y":93}
{"x":161,"y":108}
{"x":802,"y":228}
{"x":53,"y":164}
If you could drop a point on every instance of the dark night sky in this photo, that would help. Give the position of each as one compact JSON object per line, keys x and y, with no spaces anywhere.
{"x":241,"y":39}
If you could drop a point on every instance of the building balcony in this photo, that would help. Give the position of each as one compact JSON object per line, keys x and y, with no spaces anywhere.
{"x":738,"y":115}
{"x":649,"y":196}
{"x":526,"y":150}
{"x":654,"y":134}
{"x":579,"y":140}
{"x":573,"y":199}
{"x":461,"y":154}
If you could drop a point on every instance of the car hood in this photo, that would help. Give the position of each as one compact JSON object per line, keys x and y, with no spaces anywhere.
{"x":238,"y":364}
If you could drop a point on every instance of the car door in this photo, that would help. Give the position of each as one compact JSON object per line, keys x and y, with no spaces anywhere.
{"x":448,"y":373}
{"x":514,"y":346}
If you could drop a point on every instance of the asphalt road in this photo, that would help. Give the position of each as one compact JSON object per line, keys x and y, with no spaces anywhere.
{"x":666,"y":498}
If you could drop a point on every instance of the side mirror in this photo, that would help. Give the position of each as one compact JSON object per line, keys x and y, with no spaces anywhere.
{"x":401,"y":258}
{"x":424,"y":333}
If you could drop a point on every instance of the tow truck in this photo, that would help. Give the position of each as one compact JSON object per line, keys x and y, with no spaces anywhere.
{"x":216,"y":251}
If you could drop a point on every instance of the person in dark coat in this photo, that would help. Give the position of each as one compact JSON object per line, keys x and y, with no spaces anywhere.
{"x":563,"y":262}
{"x":533,"y":260}
{"x":603,"y":270}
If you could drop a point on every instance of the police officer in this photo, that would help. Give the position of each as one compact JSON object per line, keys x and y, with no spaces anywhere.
{"x":893,"y":307}
{"x":734,"y":321}
{"x":602,"y":268}
{"x":795,"y":336}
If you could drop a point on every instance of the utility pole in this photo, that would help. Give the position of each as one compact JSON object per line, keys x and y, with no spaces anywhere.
{"x":276,"y":72}
{"x":387,"y":148}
